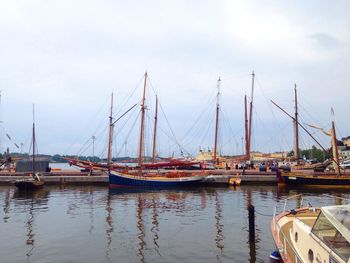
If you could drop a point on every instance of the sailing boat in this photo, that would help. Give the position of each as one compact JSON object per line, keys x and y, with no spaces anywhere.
{"x":166,"y":163}
{"x":34,"y":182}
{"x":140,"y":177}
{"x":300,"y":177}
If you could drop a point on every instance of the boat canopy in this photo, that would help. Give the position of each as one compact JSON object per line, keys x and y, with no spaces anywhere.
{"x":339,"y":217}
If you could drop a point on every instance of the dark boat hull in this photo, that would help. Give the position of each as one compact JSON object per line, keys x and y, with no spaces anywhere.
{"x":117,"y":180}
{"x":29,"y":184}
{"x":316,"y":180}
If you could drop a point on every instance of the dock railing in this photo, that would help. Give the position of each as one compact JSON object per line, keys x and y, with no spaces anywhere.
{"x":321,"y":200}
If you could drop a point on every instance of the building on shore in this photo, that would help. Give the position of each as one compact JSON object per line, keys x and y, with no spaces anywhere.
{"x":344,"y":148}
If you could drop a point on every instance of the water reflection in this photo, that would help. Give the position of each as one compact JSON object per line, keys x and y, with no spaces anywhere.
{"x":141,"y":230}
{"x":251,"y":242}
{"x":219,"y":240}
{"x":155,"y":224}
{"x":34,"y":201}
{"x":109,"y":227}
{"x":6,"y":205}
{"x":208,"y":224}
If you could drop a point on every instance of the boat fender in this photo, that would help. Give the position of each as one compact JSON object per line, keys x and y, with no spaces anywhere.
{"x":275,"y":257}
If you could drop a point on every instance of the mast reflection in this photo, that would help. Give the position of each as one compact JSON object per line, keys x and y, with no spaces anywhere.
{"x":6,"y":208}
{"x":155,"y":223}
{"x":109,"y":226}
{"x":251,"y":243}
{"x":218,"y":225}
{"x":141,"y":234}
{"x":34,"y":199}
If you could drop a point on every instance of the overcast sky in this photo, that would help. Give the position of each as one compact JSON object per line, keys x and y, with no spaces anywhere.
{"x":67,"y":57}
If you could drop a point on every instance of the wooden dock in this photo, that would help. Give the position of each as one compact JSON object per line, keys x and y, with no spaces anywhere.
{"x":214,"y":177}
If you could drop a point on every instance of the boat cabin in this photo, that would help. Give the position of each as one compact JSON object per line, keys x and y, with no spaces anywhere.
{"x":26,"y":165}
{"x":313,"y":235}
{"x":332,"y":227}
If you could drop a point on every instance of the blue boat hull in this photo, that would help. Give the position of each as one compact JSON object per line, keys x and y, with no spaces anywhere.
{"x":117,"y":180}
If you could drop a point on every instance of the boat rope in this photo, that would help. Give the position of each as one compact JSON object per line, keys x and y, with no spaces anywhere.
{"x":208,"y":109}
{"x":126,"y":99}
{"x":172,"y":131}
{"x":128,"y":133}
{"x":209,"y":127}
{"x":231,"y":134}
{"x":85,"y":127}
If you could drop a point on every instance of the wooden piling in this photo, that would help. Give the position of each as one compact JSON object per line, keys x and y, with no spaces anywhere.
{"x":251,"y":218}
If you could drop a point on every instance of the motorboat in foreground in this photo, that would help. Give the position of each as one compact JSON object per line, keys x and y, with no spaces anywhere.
{"x":309,"y":234}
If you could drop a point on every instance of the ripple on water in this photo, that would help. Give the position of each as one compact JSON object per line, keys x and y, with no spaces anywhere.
{"x":92,"y":224}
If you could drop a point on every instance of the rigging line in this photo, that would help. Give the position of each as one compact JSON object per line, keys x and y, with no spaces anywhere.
{"x":264,"y":128}
{"x":124,"y":114}
{"x":205,"y":109}
{"x":303,"y":109}
{"x":229,"y":126}
{"x":85,"y":127}
{"x":198,"y":129}
{"x":266,"y":99}
{"x":123,"y":125}
{"x":129,"y":133}
{"x":199,"y":134}
{"x":171,"y":130}
{"x":99,"y":133}
{"x":84,"y":147}
{"x":210,"y":126}
{"x":152,"y":86}
{"x":167,"y":134}
{"x":226,"y":126}
{"x":274,"y":137}
{"x":262,"y":90}
{"x":131,"y":94}
{"x":322,"y":138}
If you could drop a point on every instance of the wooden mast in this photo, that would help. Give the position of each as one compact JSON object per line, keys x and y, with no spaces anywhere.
{"x":217,"y":120}
{"x":334,"y":139}
{"x":142,"y":123}
{"x":33,"y":139}
{"x":155,"y":131}
{"x":110,"y":135}
{"x":251,"y":115}
{"x":296,"y":130}
{"x":334,"y":147}
{"x":247,"y":153}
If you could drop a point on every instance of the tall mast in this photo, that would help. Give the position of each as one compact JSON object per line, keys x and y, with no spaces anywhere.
{"x":334,"y":139}
{"x":334,"y":147}
{"x":110,"y":135}
{"x":33,"y":139}
{"x":247,"y":153}
{"x":251,"y":115}
{"x":155,"y":131}
{"x":142,"y":122}
{"x":296,"y":130}
{"x":217,"y":120}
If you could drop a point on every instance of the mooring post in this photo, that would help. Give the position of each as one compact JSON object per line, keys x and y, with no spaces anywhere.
{"x":251,"y":217}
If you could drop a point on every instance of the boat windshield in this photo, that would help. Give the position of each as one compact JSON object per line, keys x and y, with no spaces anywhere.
{"x":333,"y":228}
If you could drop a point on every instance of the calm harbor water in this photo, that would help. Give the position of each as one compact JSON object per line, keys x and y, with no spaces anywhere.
{"x":93,"y":224}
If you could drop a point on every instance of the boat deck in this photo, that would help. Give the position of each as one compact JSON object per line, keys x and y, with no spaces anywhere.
{"x":308,"y":217}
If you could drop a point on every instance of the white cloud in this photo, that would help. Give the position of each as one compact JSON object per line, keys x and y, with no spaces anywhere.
{"x":67,"y":56}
